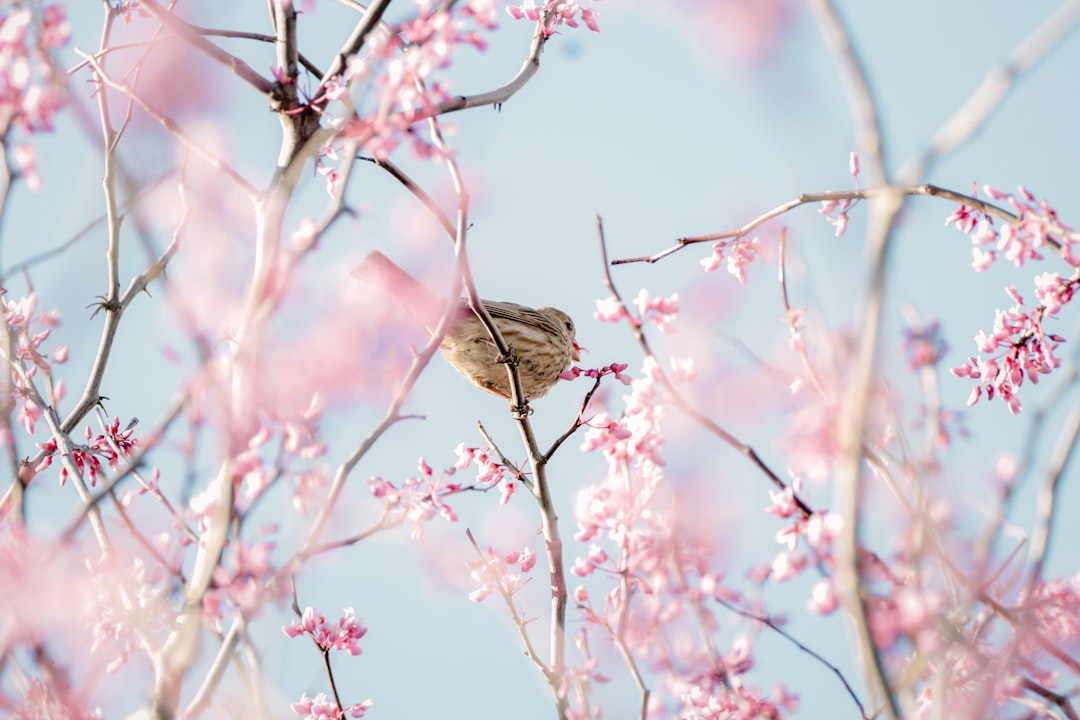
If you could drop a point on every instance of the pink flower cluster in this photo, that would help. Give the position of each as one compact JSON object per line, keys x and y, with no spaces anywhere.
{"x":1018,"y":347}
{"x":21,"y":318}
{"x":664,"y":582}
{"x":616,"y":369}
{"x":807,"y":543}
{"x":840,"y":207}
{"x":240,"y":580}
{"x":344,"y":636}
{"x":718,"y":704}
{"x":423,"y":497}
{"x":992,"y":674}
{"x":399,"y":72}
{"x":659,"y":310}
{"x":419,"y":499}
{"x":124,"y":603}
{"x":1056,"y":609}
{"x":489,"y":472}
{"x":298,"y":444}
{"x":554,"y":13}
{"x":494,"y":573}
{"x":740,"y":253}
{"x":1020,"y":241}
{"x":109,"y":446}
{"x":31,"y":91}
{"x":321,"y":707}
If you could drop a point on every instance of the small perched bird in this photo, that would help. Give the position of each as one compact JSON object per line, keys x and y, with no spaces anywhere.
{"x":543,"y":339}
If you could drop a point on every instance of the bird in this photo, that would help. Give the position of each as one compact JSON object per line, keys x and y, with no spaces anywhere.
{"x":543,"y":340}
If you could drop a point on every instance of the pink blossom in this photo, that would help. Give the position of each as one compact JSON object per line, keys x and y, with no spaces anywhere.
{"x":820,"y":529}
{"x":661,"y":310}
{"x":481,"y":593}
{"x":841,"y":224}
{"x":739,"y":252}
{"x":823,"y":600}
{"x":786,"y":566}
{"x":345,"y":636}
{"x":610,"y":310}
{"x":582,"y":567}
{"x":840,"y":207}
{"x":554,"y":13}
{"x":1053,"y":291}
{"x":1057,"y":607}
{"x":1023,"y":351}
{"x":421,"y":498}
{"x":495,"y":573}
{"x":1019,"y":241}
{"x":783,"y":503}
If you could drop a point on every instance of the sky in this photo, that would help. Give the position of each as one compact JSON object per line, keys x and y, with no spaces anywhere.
{"x":675,"y":119}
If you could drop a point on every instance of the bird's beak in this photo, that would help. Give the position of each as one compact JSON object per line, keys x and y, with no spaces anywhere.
{"x":577,"y":350}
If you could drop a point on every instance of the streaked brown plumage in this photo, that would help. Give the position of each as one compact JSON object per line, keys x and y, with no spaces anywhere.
{"x":543,"y":339}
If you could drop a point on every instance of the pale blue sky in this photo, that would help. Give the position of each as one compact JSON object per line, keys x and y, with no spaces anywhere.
{"x":644,"y":125}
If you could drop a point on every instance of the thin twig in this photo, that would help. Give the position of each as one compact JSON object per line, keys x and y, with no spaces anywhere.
{"x":579,"y":421}
{"x":1046,"y":503}
{"x":926,"y":189}
{"x":677,"y":397}
{"x":520,"y":623}
{"x":771,"y":624}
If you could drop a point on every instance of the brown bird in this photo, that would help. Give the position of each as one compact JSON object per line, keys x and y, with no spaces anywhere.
{"x":542,"y":339}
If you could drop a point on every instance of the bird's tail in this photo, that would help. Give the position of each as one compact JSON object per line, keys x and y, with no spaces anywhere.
{"x":425,"y":306}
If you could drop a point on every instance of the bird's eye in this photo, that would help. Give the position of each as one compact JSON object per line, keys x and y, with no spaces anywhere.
{"x":570,"y":326}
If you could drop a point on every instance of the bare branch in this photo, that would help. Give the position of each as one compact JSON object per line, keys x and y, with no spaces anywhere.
{"x":835,"y":195}
{"x":1046,"y":504}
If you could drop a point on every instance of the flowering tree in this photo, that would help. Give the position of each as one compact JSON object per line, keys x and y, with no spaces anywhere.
{"x":624,"y":558}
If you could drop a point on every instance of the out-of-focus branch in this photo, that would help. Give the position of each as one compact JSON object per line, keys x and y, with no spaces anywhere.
{"x":790,"y":316}
{"x":860,"y":96}
{"x":355,"y":42}
{"x":1046,"y":503}
{"x":1062,"y":701}
{"x":849,"y":488}
{"x":15,"y":497}
{"x":986,"y":98}
{"x":217,"y":669}
{"x":702,"y":618}
{"x":988,"y":537}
